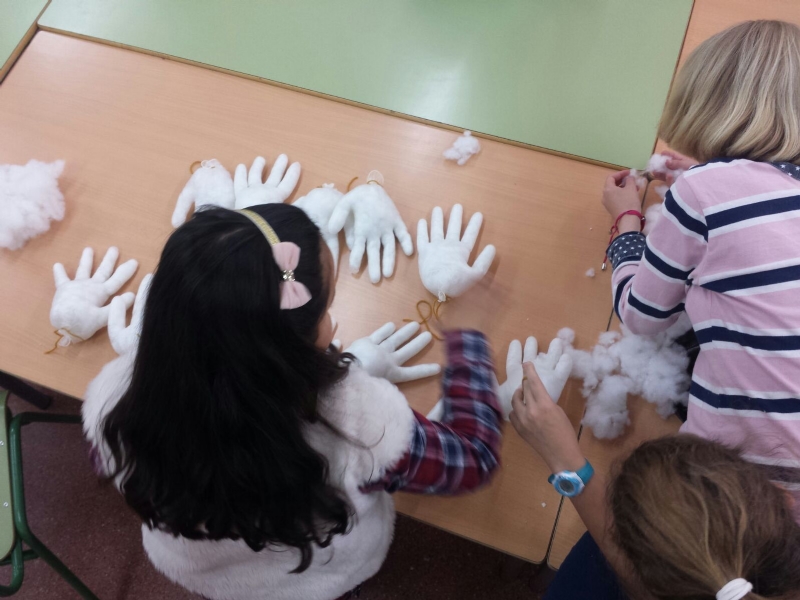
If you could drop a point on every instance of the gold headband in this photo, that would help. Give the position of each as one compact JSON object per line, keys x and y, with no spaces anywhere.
{"x":262,"y":225}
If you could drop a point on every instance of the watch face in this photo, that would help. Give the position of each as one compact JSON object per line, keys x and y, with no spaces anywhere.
{"x":568,"y":484}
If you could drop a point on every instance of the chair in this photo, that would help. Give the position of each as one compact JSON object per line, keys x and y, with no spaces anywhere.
{"x":14,"y":529}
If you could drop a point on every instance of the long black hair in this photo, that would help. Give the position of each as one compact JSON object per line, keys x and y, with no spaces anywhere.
{"x":208,"y":439}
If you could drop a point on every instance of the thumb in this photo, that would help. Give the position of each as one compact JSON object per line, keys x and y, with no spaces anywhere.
{"x":532,"y":386}
{"x":185,"y":201}
{"x":116,"y":317}
{"x":484,"y":261}
{"x":339,"y":214}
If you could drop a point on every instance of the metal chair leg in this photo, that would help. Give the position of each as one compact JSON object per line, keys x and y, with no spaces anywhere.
{"x":17,"y":561}
{"x":18,"y":497}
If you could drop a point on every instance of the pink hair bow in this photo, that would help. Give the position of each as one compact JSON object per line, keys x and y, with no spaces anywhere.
{"x":293,"y":293}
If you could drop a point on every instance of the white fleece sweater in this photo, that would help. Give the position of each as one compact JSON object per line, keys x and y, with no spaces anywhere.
{"x":362,"y":407}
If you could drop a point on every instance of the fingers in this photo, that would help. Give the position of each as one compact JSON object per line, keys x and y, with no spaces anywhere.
{"x":630,"y":181}
{"x":128,"y":298}
{"x":106,"y":267}
{"x":454,"y":226}
{"x":388,"y":254}
{"x":185,"y":201}
{"x":412,"y":348}
{"x":404,"y":238}
{"x":563,"y":370}
{"x":437,"y":225}
{"x":256,"y":171}
{"x":240,"y":178}
{"x":472,"y":231}
{"x":340,"y":214}
{"x":532,"y":386}
{"x":531,"y":349}
{"x":374,"y":259}
{"x":289,"y":182}
{"x":514,"y":356}
{"x":60,"y":275}
{"x":141,"y":298}
{"x":484,"y":261}
{"x":123,"y":273}
{"x":554,"y":352}
{"x":620,"y":176}
{"x":401,"y":336}
{"x":349,"y":231}
{"x":278,"y":169}
{"x":517,"y":403}
{"x":422,"y":234}
{"x":116,"y":319}
{"x":383,"y":332}
{"x":333,"y":246}
{"x":416,"y":372}
{"x":85,"y":265}
{"x":357,"y":253}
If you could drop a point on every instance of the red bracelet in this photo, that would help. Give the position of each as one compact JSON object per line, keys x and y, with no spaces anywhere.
{"x":615,"y":230}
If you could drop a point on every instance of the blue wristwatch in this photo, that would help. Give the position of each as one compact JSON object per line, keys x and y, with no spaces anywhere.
{"x":571,"y":483}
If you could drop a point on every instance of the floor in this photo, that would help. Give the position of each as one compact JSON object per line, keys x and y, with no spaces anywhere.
{"x":86,"y":523}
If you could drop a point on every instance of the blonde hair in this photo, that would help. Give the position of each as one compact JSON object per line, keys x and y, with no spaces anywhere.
{"x":738,"y":96}
{"x":691,"y":515}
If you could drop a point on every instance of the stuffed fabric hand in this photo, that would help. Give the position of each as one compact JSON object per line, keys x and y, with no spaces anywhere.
{"x":319,"y":204}
{"x":553,"y":369}
{"x":210,"y":185}
{"x":78,"y":310}
{"x":250,"y":190}
{"x":381,"y":354}
{"x":375,"y":222}
{"x":126,"y":339}
{"x":443,"y":265}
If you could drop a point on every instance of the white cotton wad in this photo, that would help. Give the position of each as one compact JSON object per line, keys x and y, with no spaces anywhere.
{"x":590,"y":272}
{"x":653,"y":367}
{"x":639,"y":178}
{"x":29,"y":201}
{"x":652,"y":215}
{"x":658,"y":164}
{"x":463,"y":148}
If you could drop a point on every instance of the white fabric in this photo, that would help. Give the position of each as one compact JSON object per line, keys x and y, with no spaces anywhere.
{"x":250,"y":190}
{"x":375,"y":223}
{"x":736,"y":589}
{"x":78,"y":310}
{"x":463,"y":148}
{"x":553,"y":369}
{"x":29,"y":201}
{"x":318,"y":204}
{"x":126,"y":339}
{"x":383,"y":353}
{"x":443,"y":260}
{"x":209,"y":185}
{"x":367,"y":409}
{"x":658,"y":164}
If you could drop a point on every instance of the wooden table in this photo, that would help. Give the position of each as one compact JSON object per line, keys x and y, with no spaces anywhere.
{"x":708,"y":17}
{"x":129,"y":125}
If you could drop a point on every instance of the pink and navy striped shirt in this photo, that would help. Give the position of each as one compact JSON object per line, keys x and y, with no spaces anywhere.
{"x":727,"y":252}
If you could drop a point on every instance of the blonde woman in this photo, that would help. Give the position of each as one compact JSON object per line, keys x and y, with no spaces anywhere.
{"x":727,"y":249}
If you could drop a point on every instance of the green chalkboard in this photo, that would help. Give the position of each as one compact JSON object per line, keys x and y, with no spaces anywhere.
{"x":16,"y":19}
{"x":585,"y":77}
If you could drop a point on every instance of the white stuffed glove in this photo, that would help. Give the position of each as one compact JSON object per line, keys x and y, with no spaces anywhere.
{"x":381,"y":354}
{"x":78,"y":310}
{"x":210,"y":185}
{"x":126,"y":339}
{"x":318,"y":204}
{"x":443,"y":265}
{"x":376,"y":222}
{"x":553,"y":369}
{"x":250,"y":190}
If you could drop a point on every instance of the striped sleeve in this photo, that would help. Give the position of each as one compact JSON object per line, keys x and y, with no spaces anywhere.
{"x":649,"y":293}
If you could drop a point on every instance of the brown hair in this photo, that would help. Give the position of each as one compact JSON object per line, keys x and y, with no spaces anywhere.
{"x":738,"y":96}
{"x":692,"y":515}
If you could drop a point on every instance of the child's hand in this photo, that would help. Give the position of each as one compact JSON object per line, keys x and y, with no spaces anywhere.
{"x":619,"y":195}
{"x":678,"y":161}
{"x":544,"y":425}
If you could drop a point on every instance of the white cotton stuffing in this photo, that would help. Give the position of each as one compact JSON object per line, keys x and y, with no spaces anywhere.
{"x":590,"y":272}
{"x":29,"y":200}
{"x":463,"y":148}
{"x":653,"y":367}
{"x":652,"y":216}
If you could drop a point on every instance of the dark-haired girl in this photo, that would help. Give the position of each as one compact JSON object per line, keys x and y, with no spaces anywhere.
{"x":259,"y":456}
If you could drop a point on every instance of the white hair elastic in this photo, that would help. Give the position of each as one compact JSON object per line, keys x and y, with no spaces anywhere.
{"x":735,"y":589}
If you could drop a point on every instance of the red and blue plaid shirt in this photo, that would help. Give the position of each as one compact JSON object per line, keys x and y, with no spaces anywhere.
{"x":461,"y":452}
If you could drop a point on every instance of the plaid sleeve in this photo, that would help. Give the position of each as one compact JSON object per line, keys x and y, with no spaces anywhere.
{"x":461,"y":452}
